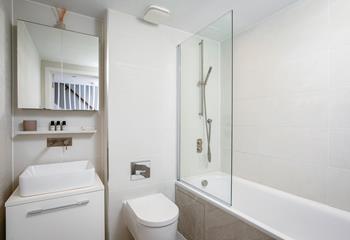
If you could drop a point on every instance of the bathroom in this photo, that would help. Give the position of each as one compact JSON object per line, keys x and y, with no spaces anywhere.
{"x":175,"y":120}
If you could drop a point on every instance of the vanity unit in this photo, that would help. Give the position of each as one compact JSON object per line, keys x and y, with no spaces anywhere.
{"x":69,"y":215}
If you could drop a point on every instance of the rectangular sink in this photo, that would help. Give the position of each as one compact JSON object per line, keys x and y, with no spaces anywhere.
{"x":56,"y":177}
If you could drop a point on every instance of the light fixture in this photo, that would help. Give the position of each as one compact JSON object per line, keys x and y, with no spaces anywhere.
{"x":155,"y":14}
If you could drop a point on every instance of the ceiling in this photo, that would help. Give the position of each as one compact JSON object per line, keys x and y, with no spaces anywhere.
{"x":188,"y":15}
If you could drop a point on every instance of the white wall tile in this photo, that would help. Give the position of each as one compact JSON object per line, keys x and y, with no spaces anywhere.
{"x":277,"y":173}
{"x":292,"y":107}
{"x":300,"y":145}
{"x":339,"y":108}
{"x":339,"y":22}
{"x":339,"y":148}
{"x":246,"y":139}
{"x":247,"y":166}
{"x":339,"y":67}
{"x":338,"y":188}
{"x":142,"y":110}
{"x":310,"y":181}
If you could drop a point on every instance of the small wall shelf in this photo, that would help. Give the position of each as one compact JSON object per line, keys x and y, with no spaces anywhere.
{"x":40,"y":132}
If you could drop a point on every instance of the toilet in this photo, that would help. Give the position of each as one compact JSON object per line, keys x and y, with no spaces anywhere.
{"x":152,"y":217}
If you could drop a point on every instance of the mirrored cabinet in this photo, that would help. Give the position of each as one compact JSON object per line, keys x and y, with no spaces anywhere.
{"x":56,"y":69}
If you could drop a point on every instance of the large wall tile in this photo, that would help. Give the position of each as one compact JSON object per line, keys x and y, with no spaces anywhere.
{"x":278,"y":173}
{"x":338,"y":189}
{"x":298,"y":145}
{"x":339,"y":148}
{"x":339,"y":22}
{"x":339,"y":66}
{"x":141,"y":110}
{"x":246,"y":139}
{"x":292,"y":107}
{"x":310,"y":181}
{"x":339,"y":108}
{"x":247,"y":166}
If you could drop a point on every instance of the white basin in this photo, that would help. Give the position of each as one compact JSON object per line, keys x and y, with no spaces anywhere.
{"x":56,"y":177}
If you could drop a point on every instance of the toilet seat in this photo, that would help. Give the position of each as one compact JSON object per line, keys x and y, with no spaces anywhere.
{"x":153,"y":210}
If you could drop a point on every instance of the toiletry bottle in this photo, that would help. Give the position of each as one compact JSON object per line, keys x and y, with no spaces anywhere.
{"x":52,"y":126}
{"x":58,"y":126}
{"x":64,"y":126}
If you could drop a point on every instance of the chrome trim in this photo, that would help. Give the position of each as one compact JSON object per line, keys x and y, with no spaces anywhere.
{"x":178,"y":111}
{"x":232,"y":101}
{"x":201,"y":81}
{"x":59,"y":208}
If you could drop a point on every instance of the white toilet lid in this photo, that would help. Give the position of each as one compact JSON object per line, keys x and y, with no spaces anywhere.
{"x":154,"y":210}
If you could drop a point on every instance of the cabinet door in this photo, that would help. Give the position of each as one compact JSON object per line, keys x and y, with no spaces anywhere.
{"x":69,"y":218}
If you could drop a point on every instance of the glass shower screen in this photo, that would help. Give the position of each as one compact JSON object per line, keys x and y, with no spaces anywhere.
{"x":205,"y":109}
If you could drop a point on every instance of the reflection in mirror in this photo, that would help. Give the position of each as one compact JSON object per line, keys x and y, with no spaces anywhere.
{"x":57,"y":69}
{"x":70,"y":87}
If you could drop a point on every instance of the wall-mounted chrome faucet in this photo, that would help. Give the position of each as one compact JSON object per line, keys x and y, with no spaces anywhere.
{"x":59,"y":142}
{"x":199,"y":145}
{"x":140,"y":170}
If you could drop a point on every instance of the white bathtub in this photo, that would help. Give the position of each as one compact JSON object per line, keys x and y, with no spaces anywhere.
{"x":279,"y":214}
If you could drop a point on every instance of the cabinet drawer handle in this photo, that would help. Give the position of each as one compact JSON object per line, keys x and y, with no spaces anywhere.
{"x":46,"y":210}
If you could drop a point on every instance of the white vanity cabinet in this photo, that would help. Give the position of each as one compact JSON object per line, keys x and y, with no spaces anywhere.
{"x":70,"y":215}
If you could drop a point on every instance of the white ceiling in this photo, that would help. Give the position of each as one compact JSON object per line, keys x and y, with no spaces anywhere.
{"x":188,"y":15}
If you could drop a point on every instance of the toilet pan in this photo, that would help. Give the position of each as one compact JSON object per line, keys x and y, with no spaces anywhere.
{"x":152,"y":217}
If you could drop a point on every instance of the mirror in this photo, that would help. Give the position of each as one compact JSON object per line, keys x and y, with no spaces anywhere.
{"x":56,"y":69}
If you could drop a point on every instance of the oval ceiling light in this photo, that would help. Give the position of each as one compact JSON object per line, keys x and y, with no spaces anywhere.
{"x":155,"y":14}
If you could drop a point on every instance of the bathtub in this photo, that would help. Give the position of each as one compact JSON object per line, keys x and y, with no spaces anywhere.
{"x":276,"y":213}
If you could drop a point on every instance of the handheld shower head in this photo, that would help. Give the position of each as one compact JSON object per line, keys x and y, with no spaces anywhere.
{"x":208,"y":74}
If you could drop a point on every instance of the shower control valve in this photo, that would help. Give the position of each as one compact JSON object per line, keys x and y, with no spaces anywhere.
{"x":199,"y":145}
